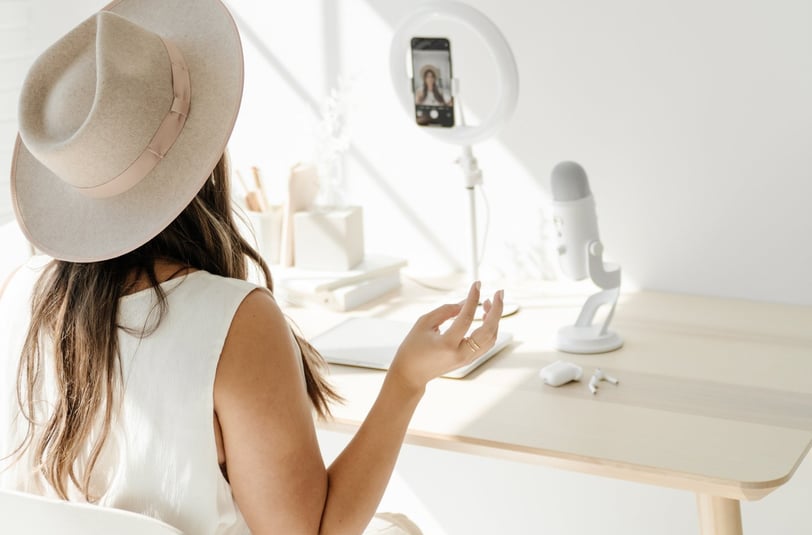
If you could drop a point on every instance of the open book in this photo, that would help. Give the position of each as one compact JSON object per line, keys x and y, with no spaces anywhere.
{"x":372,"y":343}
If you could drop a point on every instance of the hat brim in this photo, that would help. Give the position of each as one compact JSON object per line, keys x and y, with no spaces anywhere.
{"x":67,"y":225}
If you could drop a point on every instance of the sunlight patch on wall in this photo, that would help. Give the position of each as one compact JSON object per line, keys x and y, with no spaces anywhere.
{"x":412,"y":192}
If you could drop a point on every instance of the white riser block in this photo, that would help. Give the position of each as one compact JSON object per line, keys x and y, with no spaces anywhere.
{"x":328,"y":240}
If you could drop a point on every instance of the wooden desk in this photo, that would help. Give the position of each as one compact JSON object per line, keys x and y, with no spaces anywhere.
{"x":715,"y":395}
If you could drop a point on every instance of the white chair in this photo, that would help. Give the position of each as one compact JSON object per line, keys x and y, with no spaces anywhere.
{"x":27,"y":514}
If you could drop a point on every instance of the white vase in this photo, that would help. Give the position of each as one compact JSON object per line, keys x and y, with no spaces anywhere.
{"x":332,"y":188}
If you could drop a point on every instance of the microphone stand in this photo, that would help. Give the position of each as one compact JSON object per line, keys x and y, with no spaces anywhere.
{"x":583,"y":336}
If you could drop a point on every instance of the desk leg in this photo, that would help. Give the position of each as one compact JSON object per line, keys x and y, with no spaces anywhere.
{"x":719,"y":516}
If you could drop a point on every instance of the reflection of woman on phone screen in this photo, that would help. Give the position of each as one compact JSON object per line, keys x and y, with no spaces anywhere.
{"x":430,"y":94}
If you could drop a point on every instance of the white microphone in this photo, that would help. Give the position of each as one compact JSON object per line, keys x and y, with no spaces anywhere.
{"x":581,"y":255}
{"x":574,"y":217}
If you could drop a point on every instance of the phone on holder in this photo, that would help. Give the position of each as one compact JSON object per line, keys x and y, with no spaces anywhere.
{"x":431,"y":81}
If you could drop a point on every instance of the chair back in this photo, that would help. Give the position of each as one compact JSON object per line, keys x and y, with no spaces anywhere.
{"x":27,"y":514}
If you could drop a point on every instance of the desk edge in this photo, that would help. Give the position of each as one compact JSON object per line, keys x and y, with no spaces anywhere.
{"x":738,"y":490}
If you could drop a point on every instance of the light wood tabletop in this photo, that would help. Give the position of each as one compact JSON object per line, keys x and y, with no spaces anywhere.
{"x":714,"y":394}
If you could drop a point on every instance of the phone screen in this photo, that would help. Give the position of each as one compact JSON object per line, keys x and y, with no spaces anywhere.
{"x":431,"y":68}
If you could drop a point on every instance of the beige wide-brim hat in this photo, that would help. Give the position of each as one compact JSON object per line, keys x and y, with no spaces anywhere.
{"x":121,"y":122}
{"x":429,"y":67}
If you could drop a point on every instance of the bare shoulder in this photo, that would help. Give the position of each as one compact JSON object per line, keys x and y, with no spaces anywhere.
{"x":259,"y":309}
{"x":259,"y":337}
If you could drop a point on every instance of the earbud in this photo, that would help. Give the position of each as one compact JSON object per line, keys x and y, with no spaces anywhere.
{"x":597,"y":377}
{"x":593,"y":384}
{"x":603,"y":377}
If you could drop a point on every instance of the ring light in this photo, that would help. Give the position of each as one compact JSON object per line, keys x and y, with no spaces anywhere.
{"x":508,"y":80}
{"x":507,"y":95}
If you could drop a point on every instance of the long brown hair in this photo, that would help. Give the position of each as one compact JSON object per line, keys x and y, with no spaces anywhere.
{"x":75,"y":306}
{"x":438,"y":96}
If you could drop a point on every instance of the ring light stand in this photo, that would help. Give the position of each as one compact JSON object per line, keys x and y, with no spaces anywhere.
{"x":462,"y":134}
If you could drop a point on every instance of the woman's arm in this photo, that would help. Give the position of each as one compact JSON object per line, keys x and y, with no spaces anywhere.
{"x":272,"y":456}
{"x":358,"y":477}
{"x":273,"y":461}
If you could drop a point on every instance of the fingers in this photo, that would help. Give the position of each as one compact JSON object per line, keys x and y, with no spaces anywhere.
{"x":486,"y":306}
{"x":463,"y":321}
{"x":498,"y":306}
{"x":436,"y":317}
{"x":485,"y":334}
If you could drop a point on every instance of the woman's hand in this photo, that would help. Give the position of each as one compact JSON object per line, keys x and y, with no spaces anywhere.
{"x":427,"y":353}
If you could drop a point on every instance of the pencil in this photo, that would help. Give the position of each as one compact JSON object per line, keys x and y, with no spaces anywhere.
{"x":254,"y":202}
{"x":258,"y":182}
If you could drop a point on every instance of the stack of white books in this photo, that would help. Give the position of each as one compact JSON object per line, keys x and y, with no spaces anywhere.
{"x":345,"y":290}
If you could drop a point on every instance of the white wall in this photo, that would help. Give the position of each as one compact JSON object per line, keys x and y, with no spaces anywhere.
{"x":693,"y":118}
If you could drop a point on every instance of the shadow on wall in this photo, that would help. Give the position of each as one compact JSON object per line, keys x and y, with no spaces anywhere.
{"x":331,"y":65}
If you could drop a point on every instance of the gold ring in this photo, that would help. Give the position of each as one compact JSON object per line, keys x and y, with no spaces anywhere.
{"x":472,"y":344}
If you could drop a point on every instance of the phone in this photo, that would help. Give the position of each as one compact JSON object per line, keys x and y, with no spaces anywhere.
{"x":431,"y":81}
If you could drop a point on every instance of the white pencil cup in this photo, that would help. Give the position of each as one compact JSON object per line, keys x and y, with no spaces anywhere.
{"x":266,"y":228}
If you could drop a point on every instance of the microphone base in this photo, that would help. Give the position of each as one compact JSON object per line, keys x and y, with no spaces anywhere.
{"x":587,"y":340}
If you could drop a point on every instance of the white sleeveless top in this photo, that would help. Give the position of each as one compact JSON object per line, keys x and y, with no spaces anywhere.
{"x":161,"y":457}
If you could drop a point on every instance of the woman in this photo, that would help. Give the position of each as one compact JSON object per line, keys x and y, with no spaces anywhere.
{"x":430,"y":94}
{"x":139,"y":370}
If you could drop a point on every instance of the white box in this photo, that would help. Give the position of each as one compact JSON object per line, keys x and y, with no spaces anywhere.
{"x":349,"y":297}
{"x":328,"y":239}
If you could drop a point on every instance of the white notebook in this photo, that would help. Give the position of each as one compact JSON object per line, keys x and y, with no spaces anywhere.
{"x":372,"y":343}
